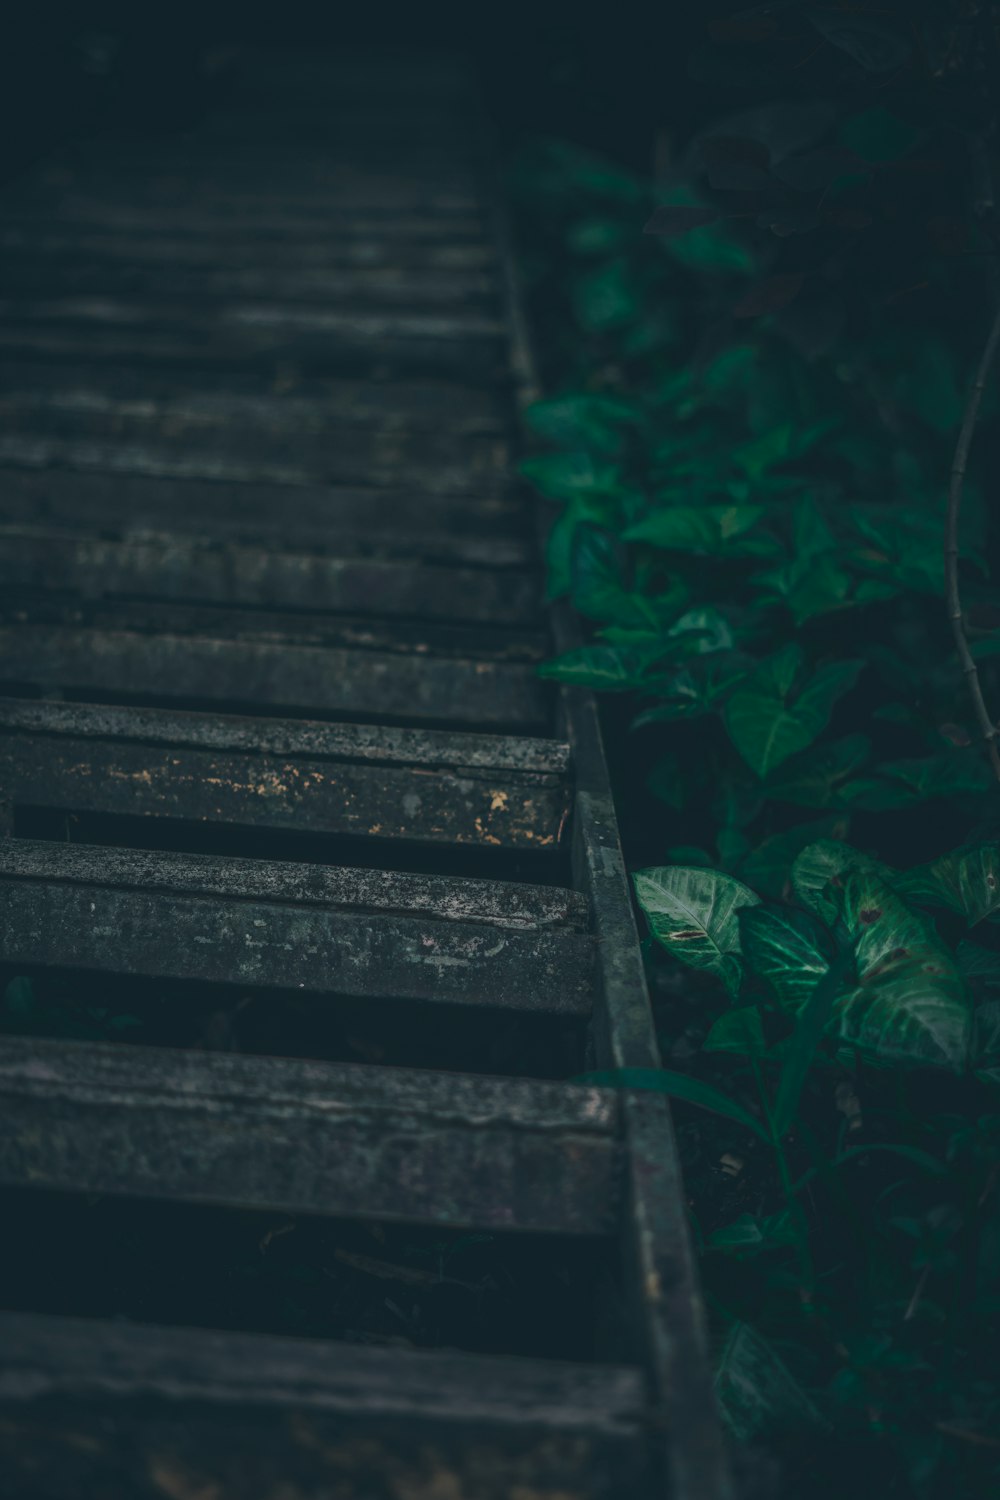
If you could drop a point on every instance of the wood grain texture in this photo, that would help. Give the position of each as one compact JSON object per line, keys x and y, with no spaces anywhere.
{"x":107,"y":1409}
{"x":304,"y":1137}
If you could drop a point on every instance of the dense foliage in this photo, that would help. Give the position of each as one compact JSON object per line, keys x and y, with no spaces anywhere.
{"x":753,"y":412}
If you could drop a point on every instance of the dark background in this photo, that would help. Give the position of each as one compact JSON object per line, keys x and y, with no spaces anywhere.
{"x":610,"y":76}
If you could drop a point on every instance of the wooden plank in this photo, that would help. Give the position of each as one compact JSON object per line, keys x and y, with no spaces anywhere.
{"x":461,"y":344}
{"x":266,"y":773}
{"x":206,"y":570}
{"x":277,"y":944}
{"x":276,"y":675}
{"x":493,"y":903}
{"x":34,"y":607}
{"x":171,"y":198}
{"x":161,"y":219}
{"x":378,"y":248}
{"x":323,"y":518}
{"x":427,"y":748}
{"x":133,"y":393}
{"x":236,"y":1414}
{"x":305,"y":1137}
{"x":183,"y":443}
{"x":373,"y":287}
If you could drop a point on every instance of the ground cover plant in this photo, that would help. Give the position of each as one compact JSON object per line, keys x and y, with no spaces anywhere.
{"x":768,"y":445}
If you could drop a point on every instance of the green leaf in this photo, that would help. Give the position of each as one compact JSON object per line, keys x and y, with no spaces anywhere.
{"x":562,"y":536}
{"x":611,"y":669}
{"x":590,"y":424}
{"x":767,"y":724}
{"x":966,"y":881}
{"x":606,"y":297}
{"x":986,"y":1048}
{"x":678,"y":1086}
{"x":815,"y":778}
{"x":911,"y":1004}
{"x":812,"y":1022}
{"x":711,"y":248}
{"x":768,"y":867}
{"x":755,"y":1389}
{"x":977,"y":962}
{"x":693,"y":913}
{"x":700,"y":528}
{"x":750,"y":1235}
{"x":597,"y":588}
{"x":568,"y":476}
{"x":666,"y":781}
{"x":596,"y":236}
{"x":713,"y":628}
{"x":913,"y":1154}
{"x":738,"y":1030}
{"x":904,"y":783}
{"x":826,"y":861}
{"x":878,"y":135}
{"x":785,"y":947}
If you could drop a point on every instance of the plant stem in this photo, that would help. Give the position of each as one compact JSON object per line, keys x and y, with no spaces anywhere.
{"x":955,"y":489}
{"x":788,"y":1189}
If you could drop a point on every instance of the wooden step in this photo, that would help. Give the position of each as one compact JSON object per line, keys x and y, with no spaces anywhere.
{"x":183,"y":446}
{"x":276,"y":675}
{"x":231,"y":332}
{"x":171,"y":916}
{"x":230,"y":1414}
{"x":208,"y":570}
{"x":306,"y":1137}
{"x":373,"y":246}
{"x":353,"y":520}
{"x":440,"y":408}
{"x":423,"y":785}
{"x":371,"y":287}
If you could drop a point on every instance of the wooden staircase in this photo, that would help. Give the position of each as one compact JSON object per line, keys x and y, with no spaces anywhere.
{"x":270,"y":614}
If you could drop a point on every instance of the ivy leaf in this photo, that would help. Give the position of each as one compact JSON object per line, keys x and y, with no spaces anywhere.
{"x":693,"y":913}
{"x":568,"y":476}
{"x":819,"y":873}
{"x":765,"y":722}
{"x":592,"y":424}
{"x":606,"y":297}
{"x":596,"y":236}
{"x":755,"y":1389}
{"x":738,"y":1030}
{"x":977,"y":962}
{"x":987,"y":1033}
{"x":610,"y":669}
{"x":700,"y":528}
{"x":816,"y":779}
{"x":967,"y":882}
{"x":707,"y":247}
{"x":749,"y":1234}
{"x":767,"y":868}
{"x":903,"y":783}
{"x":787,"y":948}
{"x":911,"y":1004}
{"x":597,"y":587}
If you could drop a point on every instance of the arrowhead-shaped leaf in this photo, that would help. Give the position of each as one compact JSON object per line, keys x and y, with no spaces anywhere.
{"x":768,"y":723}
{"x":819,"y":872}
{"x":911,"y":1004}
{"x":967,"y":882}
{"x":693,"y":913}
{"x":787,"y":948}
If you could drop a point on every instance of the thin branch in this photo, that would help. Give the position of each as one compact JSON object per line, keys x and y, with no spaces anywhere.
{"x":952,"y":595}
